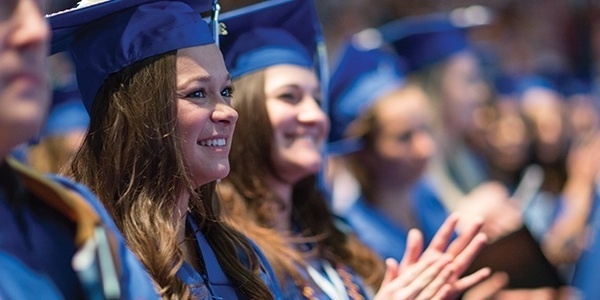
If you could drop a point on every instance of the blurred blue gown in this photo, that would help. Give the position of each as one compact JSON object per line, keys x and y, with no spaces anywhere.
{"x":585,"y":274}
{"x":37,"y":241}
{"x":292,"y":291}
{"x":383,"y":235}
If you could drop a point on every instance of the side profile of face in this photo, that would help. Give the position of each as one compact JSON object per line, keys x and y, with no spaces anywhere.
{"x":24,"y":94}
{"x":403,"y":143}
{"x":509,"y":139}
{"x":205,"y":118}
{"x":463,"y":91}
{"x":545,"y":108}
{"x":299,"y":125}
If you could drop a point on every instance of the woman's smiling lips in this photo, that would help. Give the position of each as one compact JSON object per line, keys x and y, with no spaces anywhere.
{"x":213,"y":142}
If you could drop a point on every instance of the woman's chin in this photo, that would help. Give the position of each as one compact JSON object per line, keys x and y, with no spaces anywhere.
{"x":214,"y":175}
{"x":306,"y":170}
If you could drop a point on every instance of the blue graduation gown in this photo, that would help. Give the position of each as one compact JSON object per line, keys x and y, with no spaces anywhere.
{"x":40,"y":239}
{"x":383,"y":235}
{"x":215,"y":283}
{"x":291,"y":291}
{"x":585,"y":275}
{"x":17,"y":281}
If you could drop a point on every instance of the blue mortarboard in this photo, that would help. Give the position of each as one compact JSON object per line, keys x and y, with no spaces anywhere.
{"x":425,"y":40}
{"x":364,"y":72}
{"x":66,"y":116}
{"x":526,"y":83}
{"x":270,"y":33}
{"x":109,"y":36}
{"x":505,"y":84}
{"x":576,"y":86}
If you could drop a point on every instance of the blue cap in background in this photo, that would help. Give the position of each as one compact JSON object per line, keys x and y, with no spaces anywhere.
{"x":109,"y":36}
{"x":365,"y":72}
{"x":576,"y":86}
{"x":425,"y":40}
{"x":526,"y":83}
{"x":429,"y":39}
{"x":505,"y":85}
{"x":271,"y":33}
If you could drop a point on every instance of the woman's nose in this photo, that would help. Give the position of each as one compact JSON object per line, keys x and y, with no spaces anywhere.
{"x":225,"y":114}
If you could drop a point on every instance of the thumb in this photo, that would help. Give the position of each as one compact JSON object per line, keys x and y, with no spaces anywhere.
{"x":391,"y":271}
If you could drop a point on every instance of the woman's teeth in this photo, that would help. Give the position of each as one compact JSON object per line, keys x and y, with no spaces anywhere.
{"x":213,"y":143}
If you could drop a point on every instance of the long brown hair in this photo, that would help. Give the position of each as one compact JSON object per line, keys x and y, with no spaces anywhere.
{"x":132,"y":159}
{"x":251,"y":203}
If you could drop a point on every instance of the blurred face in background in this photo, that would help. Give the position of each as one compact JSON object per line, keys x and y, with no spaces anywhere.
{"x":24,"y":94}
{"x":509,"y":137}
{"x":299,"y":125}
{"x":545,"y":108}
{"x":403,"y":143}
{"x":584,"y":117}
{"x":463,"y":91}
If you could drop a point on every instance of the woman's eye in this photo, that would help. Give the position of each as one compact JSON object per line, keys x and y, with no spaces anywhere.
{"x":405,"y":137}
{"x":290,"y":98}
{"x":227,"y":92}
{"x":196,"y":94}
{"x":287,"y":96}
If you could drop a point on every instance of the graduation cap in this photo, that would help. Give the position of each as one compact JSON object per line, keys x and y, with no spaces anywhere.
{"x":426,"y":40}
{"x":527,"y":83}
{"x":572,"y":86}
{"x":365,"y":71}
{"x":108,"y":36}
{"x":270,"y":33}
{"x":505,"y":84}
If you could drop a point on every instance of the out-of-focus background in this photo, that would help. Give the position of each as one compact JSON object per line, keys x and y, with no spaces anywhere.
{"x":548,"y":36}
{"x":525,"y":36}
{"x":552,"y":37}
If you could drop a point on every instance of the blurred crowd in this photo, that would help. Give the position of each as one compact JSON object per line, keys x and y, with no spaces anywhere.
{"x":510,"y":130}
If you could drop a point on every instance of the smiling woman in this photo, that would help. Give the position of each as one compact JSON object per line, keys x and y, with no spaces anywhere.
{"x":161,"y":124}
{"x":299,"y":125}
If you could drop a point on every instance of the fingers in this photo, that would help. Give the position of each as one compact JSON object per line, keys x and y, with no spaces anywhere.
{"x":444,"y":293}
{"x":417,"y":277}
{"x":465,"y":238}
{"x":468,"y":281}
{"x":444,"y":234}
{"x":410,"y":274}
{"x":487,"y":288}
{"x":414,"y":248}
{"x":467,"y":255}
{"x":425,"y":282}
{"x":439,"y":284}
{"x":391,"y":271}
